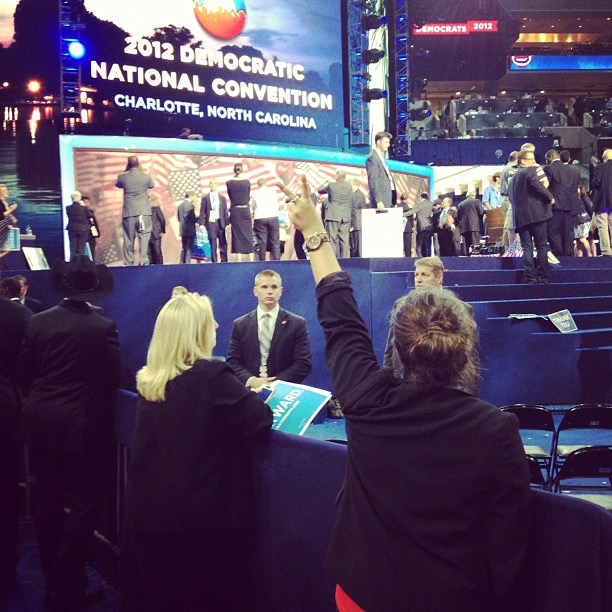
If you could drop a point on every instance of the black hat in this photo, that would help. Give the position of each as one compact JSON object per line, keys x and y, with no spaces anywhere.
{"x":81,"y":279}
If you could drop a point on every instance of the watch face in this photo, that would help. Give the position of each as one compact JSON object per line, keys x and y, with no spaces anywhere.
{"x":313,"y":242}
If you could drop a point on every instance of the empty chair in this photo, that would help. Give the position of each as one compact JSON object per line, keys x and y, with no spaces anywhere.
{"x":536,"y":478}
{"x":582,"y":425}
{"x":537,"y":429}
{"x":587,"y":473}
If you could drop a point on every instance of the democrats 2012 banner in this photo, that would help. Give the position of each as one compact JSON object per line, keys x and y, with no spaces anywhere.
{"x":239,"y":69}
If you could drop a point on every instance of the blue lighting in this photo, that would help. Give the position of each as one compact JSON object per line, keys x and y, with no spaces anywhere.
{"x":76,"y":50}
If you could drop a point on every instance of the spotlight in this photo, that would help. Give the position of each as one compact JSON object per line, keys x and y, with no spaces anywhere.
{"x":367,"y":95}
{"x":76,"y":50}
{"x":372,"y":22}
{"x":371,"y":56}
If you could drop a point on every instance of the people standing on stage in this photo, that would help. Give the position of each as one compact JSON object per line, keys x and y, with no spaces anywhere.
{"x":380,"y":179}
{"x":415,"y":446}
{"x":215,"y":218}
{"x":422,"y":212}
{"x":531,"y":207}
{"x":408,"y":221}
{"x":187,"y":217}
{"x":239,"y":193}
{"x":265,"y":220}
{"x":136,"y":211}
{"x":69,"y":373}
{"x":269,"y":342}
{"x":14,"y":318}
{"x":564,"y":181}
{"x":79,"y":227}
{"x":358,"y":203}
{"x":469,"y":215}
{"x":508,"y":235}
{"x":94,"y":230}
{"x":190,"y":510}
{"x":582,"y":228}
{"x":602,"y":201}
{"x":337,"y":212}
{"x":158,"y":229}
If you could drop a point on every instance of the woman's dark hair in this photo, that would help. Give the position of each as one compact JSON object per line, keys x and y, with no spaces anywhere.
{"x":436,"y":341}
{"x":237,"y":169}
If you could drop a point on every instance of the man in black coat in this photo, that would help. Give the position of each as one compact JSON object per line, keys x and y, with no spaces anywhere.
{"x":380,"y":180}
{"x":69,"y":372}
{"x":602,"y":201}
{"x":564,"y":181}
{"x":531,"y":210}
{"x":358,"y":202}
{"x":214,"y":217}
{"x":269,"y":342}
{"x":79,"y":228}
{"x":469,"y":214}
{"x":187,"y":218}
{"x":158,"y":229}
{"x":337,"y":212}
{"x":14,"y":318}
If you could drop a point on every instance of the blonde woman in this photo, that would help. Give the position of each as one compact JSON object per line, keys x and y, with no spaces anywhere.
{"x":190,"y":511}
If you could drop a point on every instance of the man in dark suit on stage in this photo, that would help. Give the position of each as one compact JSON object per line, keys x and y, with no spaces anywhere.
{"x":214,"y":217}
{"x":79,"y":228}
{"x":602,"y":202}
{"x":358,"y":202}
{"x":469,"y":214}
{"x":531,"y":210}
{"x":337,"y":212}
{"x":564,"y":181}
{"x":269,"y":342}
{"x":136,"y":211}
{"x":158,"y":229}
{"x":380,"y":180}
{"x":14,"y":318}
{"x":69,"y":372}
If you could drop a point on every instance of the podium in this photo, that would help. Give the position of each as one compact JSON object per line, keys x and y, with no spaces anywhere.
{"x":382,"y":232}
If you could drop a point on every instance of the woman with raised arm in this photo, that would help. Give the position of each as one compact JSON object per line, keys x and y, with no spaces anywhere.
{"x":435,"y":510}
{"x":190,"y":510}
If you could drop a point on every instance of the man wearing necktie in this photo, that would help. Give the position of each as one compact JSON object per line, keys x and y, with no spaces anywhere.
{"x":269,"y":342}
{"x":214,"y":217}
{"x":380,"y":180}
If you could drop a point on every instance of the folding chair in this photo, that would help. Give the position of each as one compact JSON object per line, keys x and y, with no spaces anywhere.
{"x":577,"y":430}
{"x":587,"y":473}
{"x":536,"y":479}
{"x":537,"y":429}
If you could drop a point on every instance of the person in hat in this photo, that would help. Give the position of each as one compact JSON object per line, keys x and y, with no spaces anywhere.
{"x":69,"y":370}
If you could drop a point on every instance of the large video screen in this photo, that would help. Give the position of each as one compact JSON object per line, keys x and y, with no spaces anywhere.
{"x":230,"y":69}
{"x":91,"y":164}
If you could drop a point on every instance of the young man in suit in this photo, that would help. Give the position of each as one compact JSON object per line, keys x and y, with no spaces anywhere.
{"x":380,"y":181}
{"x":269,"y":342}
{"x":338,"y":212}
{"x":79,"y":228}
{"x":214,"y":217}
{"x":69,"y":371}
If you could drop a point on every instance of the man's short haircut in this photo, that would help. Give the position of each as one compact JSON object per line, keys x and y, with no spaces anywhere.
{"x":528,"y":146}
{"x":433,"y":262}
{"x":75,"y":196}
{"x":10,"y":287}
{"x":524,"y":154}
{"x":267,"y":273}
{"x":552,"y":154}
{"x":340,"y":174}
{"x":380,"y":135}
{"x":606,"y":155}
{"x":424,"y":195}
{"x":513,"y":156}
{"x":356,"y":182}
{"x":262,"y":182}
{"x":565,"y":156}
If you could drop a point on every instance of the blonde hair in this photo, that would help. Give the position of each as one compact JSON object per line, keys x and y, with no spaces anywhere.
{"x":436,"y":341}
{"x":184,"y":332}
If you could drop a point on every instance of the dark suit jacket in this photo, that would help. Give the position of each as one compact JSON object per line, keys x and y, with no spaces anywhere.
{"x":468,"y":215}
{"x":378,"y":181}
{"x":14,"y":319}
{"x":69,"y":372}
{"x":206,"y":208}
{"x":78,"y":219}
{"x":186,"y":218}
{"x":564,"y":182}
{"x":290,"y":358}
{"x":158,"y":222}
{"x":435,"y":510}
{"x":35,"y":306}
{"x":602,"y":186}
{"x":189,"y":468}
{"x":358,"y":201}
{"x":530,"y":199}
{"x":338,"y":206}
{"x":422,"y":211}
{"x":135,"y":184}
